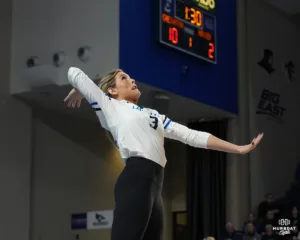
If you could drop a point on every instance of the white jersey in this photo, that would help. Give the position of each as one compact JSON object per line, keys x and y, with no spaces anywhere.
{"x":138,"y":132}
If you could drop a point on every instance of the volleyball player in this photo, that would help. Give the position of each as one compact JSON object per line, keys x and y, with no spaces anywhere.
{"x":139,"y":134}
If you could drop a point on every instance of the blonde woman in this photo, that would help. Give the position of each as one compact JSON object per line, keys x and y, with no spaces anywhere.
{"x":139,"y":134}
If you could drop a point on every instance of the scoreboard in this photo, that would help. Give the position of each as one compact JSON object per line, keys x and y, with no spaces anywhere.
{"x":189,"y":26}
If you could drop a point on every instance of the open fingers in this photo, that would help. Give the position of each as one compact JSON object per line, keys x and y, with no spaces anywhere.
{"x":78,"y":103}
{"x":73,"y":103}
{"x":258,"y":138}
{"x":69,"y":104}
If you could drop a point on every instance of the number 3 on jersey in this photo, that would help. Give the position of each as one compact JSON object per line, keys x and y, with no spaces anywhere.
{"x":154,"y":122}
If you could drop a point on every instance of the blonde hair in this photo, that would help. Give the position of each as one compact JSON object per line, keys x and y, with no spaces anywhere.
{"x":106,"y":82}
{"x":109,"y":80}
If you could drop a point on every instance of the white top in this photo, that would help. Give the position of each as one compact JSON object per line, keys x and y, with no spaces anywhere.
{"x":138,"y":132}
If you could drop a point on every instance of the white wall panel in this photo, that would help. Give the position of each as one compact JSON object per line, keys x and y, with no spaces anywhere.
{"x":43,"y":27}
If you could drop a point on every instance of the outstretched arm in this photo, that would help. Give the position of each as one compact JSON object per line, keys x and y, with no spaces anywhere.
{"x":215,"y":143}
{"x":205,"y":140}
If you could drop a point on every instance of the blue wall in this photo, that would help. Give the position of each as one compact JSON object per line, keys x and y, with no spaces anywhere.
{"x":148,"y":61}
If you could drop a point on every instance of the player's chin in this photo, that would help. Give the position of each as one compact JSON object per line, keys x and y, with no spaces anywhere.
{"x":136,"y":94}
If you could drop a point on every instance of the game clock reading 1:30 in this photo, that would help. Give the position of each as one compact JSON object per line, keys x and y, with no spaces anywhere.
{"x":189,"y":26}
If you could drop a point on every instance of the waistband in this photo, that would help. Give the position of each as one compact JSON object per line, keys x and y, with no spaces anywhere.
{"x":147,"y":168}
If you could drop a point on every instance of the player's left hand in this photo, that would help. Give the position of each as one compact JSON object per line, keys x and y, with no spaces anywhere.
{"x":250,"y":147}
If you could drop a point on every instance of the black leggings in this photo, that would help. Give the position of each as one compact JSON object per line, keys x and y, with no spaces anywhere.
{"x":139,"y":206}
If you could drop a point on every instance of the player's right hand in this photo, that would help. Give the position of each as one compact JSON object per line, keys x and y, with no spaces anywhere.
{"x":73,"y":99}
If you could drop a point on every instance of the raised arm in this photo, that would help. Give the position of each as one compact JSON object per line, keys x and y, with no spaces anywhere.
{"x":205,"y":140}
{"x":91,"y":92}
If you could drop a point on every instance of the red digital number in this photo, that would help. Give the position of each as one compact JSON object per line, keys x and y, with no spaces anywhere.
{"x":190,"y":42}
{"x":173,"y":35}
{"x":211,"y":51}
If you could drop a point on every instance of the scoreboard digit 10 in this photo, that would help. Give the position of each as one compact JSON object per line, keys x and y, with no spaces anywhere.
{"x":189,"y":26}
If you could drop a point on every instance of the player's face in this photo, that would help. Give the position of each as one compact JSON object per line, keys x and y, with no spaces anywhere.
{"x":125,"y":88}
